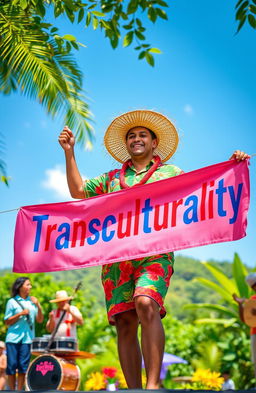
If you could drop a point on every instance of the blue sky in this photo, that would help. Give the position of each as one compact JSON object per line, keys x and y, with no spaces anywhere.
{"x":204,"y":81}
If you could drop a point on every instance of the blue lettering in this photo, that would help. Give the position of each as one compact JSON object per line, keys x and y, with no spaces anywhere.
{"x":59,"y":244}
{"x":220,"y":191}
{"x":105,"y":237}
{"x":235,"y":201}
{"x":39,"y":220}
{"x":94,"y":231}
{"x":146,"y":209}
{"x":191,"y":210}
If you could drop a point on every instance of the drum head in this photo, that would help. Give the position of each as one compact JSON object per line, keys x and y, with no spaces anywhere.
{"x":44,"y":373}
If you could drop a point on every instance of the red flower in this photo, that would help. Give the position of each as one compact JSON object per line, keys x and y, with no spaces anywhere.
{"x":155,"y":270}
{"x":99,"y":189}
{"x":126,"y":270}
{"x":109,"y":372}
{"x":108,"y":288}
{"x":167,"y":279}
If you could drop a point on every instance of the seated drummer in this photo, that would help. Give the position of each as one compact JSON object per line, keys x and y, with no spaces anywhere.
{"x":73,"y":317}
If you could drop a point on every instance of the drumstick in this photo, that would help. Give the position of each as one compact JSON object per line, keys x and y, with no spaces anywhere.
{"x":47,"y":349}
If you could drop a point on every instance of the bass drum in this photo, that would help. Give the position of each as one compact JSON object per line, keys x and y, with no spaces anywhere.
{"x":48,"y":372}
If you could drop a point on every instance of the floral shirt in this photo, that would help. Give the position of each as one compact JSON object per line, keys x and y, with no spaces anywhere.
{"x":109,"y":182}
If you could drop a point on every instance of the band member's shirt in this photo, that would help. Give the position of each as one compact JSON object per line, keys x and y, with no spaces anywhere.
{"x":24,"y":329}
{"x":67,"y":327}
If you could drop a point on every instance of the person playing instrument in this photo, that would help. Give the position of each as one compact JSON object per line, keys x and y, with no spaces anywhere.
{"x":3,"y":364}
{"x":142,"y":141}
{"x":22,"y":310}
{"x":72,"y":317}
{"x":251,"y":281}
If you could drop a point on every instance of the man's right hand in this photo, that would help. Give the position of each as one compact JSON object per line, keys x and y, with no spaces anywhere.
{"x":25,"y":311}
{"x":66,"y":139}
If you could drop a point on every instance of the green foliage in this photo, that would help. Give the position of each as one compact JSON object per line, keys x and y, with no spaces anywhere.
{"x":245,"y":12}
{"x":208,"y":345}
{"x":225,"y":286}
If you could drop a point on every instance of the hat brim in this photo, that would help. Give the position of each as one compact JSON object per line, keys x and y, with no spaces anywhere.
{"x":166,"y":133}
{"x":61,"y":299}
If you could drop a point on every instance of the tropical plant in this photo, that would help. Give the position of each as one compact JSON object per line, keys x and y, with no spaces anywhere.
{"x":38,"y":61}
{"x":225,"y":287}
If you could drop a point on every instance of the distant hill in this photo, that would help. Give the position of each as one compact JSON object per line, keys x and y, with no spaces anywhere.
{"x":184,"y":289}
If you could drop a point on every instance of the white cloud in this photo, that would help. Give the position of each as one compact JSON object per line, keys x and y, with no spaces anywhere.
{"x":55,"y":180}
{"x":188,"y":109}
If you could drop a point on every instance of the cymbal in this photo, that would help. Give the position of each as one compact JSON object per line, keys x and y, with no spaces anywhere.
{"x":250,"y":312}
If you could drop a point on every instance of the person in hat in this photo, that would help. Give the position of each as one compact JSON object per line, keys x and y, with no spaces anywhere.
{"x":142,"y":141}
{"x":251,"y":281}
{"x":3,"y":364}
{"x":73,"y":317}
{"x":22,"y":310}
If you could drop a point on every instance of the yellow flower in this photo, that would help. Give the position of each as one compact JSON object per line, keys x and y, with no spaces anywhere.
{"x":215,"y":381}
{"x":121,"y":380}
{"x":95,"y":382}
{"x":208,"y":379}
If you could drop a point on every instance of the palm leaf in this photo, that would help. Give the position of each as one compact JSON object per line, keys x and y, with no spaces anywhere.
{"x":224,"y":281}
{"x":215,"y":287}
{"x":34,"y":63}
{"x":212,"y":307}
{"x":239,"y":273}
{"x":219,"y":321}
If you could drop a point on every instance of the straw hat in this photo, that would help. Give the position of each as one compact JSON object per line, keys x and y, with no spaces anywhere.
{"x":61,"y":296}
{"x":251,"y":279}
{"x":2,"y":344}
{"x":166,"y":133}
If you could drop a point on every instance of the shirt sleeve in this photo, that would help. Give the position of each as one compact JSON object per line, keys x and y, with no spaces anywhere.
{"x":75,"y":311}
{"x":9,"y":310}
{"x":96,"y":186}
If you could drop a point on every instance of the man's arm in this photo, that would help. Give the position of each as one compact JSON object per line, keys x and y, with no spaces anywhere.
{"x":40,"y":315}
{"x":240,"y":302}
{"x":74,"y":179}
{"x":50,"y":325}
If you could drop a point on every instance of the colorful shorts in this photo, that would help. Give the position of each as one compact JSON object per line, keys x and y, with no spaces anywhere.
{"x":123,"y":281}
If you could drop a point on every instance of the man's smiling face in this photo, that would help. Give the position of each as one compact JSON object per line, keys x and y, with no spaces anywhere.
{"x":139,"y":142}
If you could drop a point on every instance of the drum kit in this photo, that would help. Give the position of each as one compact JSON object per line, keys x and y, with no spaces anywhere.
{"x":55,"y":368}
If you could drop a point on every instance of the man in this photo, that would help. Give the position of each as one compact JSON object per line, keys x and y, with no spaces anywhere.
{"x":73,"y":317}
{"x":141,"y":140}
{"x":22,"y":310}
{"x":251,"y":281}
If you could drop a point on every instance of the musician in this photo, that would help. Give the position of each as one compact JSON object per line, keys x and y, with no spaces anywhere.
{"x":73,"y":317}
{"x":22,"y":310}
{"x":251,"y":281}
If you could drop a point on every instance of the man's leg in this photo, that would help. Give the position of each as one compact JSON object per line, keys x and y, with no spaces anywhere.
{"x":152,"y":338}
{"x":21,"y":380}
{"x":12,"y":381}
{"x":128,"y":348}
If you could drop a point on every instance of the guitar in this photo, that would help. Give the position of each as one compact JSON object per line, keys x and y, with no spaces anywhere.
{"x":250,"y":312}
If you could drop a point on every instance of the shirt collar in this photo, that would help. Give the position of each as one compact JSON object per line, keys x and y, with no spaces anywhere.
{"x":131,"y":166}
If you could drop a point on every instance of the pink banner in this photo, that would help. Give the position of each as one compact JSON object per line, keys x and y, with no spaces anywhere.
{"x":206,"y":206}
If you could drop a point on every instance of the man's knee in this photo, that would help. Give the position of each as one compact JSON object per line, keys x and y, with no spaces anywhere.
{"x":127,"y":323}
{"x":147,"y":309}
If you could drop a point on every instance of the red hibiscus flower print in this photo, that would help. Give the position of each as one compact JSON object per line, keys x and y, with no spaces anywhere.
{"x":108,"y":288}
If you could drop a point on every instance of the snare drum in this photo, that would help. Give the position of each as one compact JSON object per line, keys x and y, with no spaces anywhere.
{"x":48,"y":372}
{"x":59,"y":344}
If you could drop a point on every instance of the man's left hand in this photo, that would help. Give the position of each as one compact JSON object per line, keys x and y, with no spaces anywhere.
{"x":239,"y":155}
